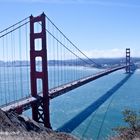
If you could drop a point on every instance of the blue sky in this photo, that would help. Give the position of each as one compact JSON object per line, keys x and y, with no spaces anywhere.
{"x":101,"y":28}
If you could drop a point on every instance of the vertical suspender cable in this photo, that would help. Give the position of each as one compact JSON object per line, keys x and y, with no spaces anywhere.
{"x":4,"y":77}
{"x":63,"y":61}
{"x":11,"y":67}
{"x":7,"y":71}
{"x":20,"y":61}
{"x":7,"y":68}
{"x":57,"y":60}
{"x":49,"y":54}
{"x":1,"y":88}
{"x":27,"y":59}
{"x":14,"y":67}
{"x":60,"y":61}
{"x":64,"y":66}
{"x":54,"y":58}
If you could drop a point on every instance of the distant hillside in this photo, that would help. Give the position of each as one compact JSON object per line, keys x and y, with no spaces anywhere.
{"x":101,"y":61}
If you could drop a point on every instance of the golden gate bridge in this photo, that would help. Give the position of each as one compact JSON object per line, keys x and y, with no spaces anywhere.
{"x":34,"y":57}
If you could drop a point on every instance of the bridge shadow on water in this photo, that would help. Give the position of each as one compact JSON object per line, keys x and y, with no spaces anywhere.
{"x":79,"y":118}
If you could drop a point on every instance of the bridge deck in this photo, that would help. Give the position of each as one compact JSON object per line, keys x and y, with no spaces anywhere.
{"x":25,"y":103}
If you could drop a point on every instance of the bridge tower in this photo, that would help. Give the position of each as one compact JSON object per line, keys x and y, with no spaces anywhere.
{"x":128,"y":60}
{"x":40,"y":109}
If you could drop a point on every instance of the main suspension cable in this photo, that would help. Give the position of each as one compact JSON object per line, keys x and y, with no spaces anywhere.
{"x":14,"y":29}
{"x":14,"y":25}
{"x":72,"y":43}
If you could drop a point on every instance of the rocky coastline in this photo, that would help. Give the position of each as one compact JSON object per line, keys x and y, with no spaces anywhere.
{"x":19,"y":127}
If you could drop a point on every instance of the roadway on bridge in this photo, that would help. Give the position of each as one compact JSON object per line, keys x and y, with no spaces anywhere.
{"x":25,"y":103}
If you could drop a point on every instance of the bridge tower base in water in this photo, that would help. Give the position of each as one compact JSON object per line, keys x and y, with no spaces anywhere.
{"x":40,"y":109}
{"x":128,"y":60}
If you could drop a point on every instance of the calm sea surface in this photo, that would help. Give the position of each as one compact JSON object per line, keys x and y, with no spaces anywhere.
{"x":88,"y":112}
{"x":123,"y":91}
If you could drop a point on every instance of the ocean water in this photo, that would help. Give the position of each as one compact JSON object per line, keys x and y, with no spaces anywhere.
{"x":89,"y":112}
{"x":93,"y":110}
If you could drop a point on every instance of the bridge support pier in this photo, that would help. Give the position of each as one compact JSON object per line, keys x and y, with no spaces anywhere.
{"x":128,"y":60}
{"x":40,"y":110}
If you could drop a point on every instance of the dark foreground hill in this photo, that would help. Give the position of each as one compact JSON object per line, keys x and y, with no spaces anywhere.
{"x":128,"y":134}
{"x":18,"y":127}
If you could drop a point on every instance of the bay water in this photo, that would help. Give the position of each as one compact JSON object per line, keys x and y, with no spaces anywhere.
{"x":93,"y":110}
{"x":88,"y":112}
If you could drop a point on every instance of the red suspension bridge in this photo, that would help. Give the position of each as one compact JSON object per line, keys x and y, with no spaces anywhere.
{"x":35,"y":56}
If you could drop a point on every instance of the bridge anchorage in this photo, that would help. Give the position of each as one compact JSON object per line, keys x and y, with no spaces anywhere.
{"x":39,"y":99}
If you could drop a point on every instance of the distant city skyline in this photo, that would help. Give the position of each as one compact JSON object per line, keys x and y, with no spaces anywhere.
{"x":100,"y":28}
